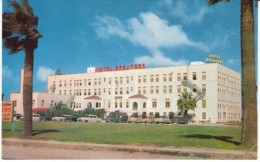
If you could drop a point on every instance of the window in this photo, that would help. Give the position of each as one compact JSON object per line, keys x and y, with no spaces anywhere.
{"x":167,"y":103}
{"x":164,"y":89}
{"x":157,"y":78}
{"x":85,"y":92}
{"x":89,"y":82}
{"x":135,"y":106}
{"x":164,"y":77}
{"x":170,"y":89}
{"x":185,"y":76}
{"x":151,"y":89}
{"x":99,"y":81}
{"x":85,"y":82}
{"x":178,"y":76}
{"x":204,"y":104}
{"x":127,"y":90}
{"x":127,"y":104}
{"x":42,"y":103}
{"x":89,"y":92}
{"x":194,"y":76}
{"x":121,"y":103}
{"x":184,"y":88}
{"x":109,"y":80}
{"x":65,"y":92}
{"x":139,"y":90}
{"x":121,"y":90}
{"x":144,"y":105}
{"x":121,"y":80}
{"x":144,"y":90}
{"x":157,"y":89}
{"x":127,"y":79}
{"x":144,"y":78}
{"x":151,"y":78}
{"x":203,"y":76}
{"x":116,"y":91}
{"x":115,"y":103}
{"x":65,"y":83}
{"x":179,"y":89}
{"x":139,"y":79}
{"x":60,"y":84}
{"x":204,"y":88}
{"x":116,"y":80}
{"x":170,"y":77}
{"x":204,"y":115}
{"x":154,"y":103}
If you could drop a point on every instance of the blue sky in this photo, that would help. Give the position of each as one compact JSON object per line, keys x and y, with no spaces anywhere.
{"x":79,"y":33}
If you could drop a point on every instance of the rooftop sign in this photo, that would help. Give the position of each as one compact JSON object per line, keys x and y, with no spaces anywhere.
{"x":121,"y":67}
{"x":214,"y":59}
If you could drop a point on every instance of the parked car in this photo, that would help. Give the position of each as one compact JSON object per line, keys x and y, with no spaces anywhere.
{"x":149,"y":120}
{"x":163,"y":120}
{"x":179,"y":120}
{"x":134,"y":120}
{"x":35,"y":117}
{"x":58,"y":119}
{"x":89,"y":118}
{"x":117,"y":119}
{"x":17,"y":116}
{"x":46,"y":118}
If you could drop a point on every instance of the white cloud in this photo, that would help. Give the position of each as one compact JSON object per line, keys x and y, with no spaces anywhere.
{"x":6,"y":72}
{"x":43,"y":72}
{"x":147,"y":30}
{"x":158,"y":59}
{"x":232,"y":61}
{"x":187,"y":14}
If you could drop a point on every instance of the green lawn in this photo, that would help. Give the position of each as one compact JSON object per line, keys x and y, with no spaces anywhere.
{"x":133,"y":134}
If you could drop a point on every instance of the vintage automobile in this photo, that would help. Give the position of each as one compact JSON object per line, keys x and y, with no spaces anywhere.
{"x":134,"y":120}
{"x":35,"y":117}
{"x":162,"y":120}
{"x":149,"y":120}
{"x":116,"y":119}
{"x":89,"y":118}
{"x":58,"y":118}
{"x":179,"y":120}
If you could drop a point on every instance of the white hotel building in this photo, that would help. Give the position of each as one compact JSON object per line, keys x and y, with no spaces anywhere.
{"x":138,"y":89}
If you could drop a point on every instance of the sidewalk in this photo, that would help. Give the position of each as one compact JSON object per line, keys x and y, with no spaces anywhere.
{"x":204,"y":153}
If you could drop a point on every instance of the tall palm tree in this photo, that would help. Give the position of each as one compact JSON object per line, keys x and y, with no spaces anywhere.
{"x":20,"y":33}
{"x":249,"y":110}
{"x":186,"y":103}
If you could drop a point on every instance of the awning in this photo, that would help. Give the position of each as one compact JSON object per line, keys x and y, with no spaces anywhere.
{"x":39,"y":109}
{"x":140,"y":96}
{"x":94,"y":97}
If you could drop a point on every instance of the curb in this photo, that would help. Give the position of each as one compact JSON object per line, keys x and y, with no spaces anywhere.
{"x":201,"y":153}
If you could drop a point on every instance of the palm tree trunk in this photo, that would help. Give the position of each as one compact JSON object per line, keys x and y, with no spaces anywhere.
{"x":27,"y":91}
{"x":249,"y":111}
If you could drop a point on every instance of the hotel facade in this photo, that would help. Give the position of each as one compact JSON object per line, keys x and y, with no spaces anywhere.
{"x":136,"y":89}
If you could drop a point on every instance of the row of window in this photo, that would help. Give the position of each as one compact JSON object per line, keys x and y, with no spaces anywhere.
{"x":223,"y":104}
{"x":228,"y":116}
{"x":228,"y":79}
{"x":120,"y":91}
{"x":229,"y":90}
{"x":127,"y":79}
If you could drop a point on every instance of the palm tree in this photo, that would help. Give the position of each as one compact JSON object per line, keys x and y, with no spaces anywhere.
{"x":20,"y":33}
{"x":186,"y":103}
{"x":249,"y":110}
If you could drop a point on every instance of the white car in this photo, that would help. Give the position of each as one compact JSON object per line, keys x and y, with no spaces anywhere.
{"x":59,"y":119}
{"x":35,"y":117}
{"x":89,"y":118}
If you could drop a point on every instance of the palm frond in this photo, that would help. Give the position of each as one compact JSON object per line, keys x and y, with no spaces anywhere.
{"x":26,"y":8}
{"x":213,"y":2}
{"x":16,"y":6}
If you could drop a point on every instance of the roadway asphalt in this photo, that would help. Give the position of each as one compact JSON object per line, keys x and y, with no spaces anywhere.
{"x":39,"y":149}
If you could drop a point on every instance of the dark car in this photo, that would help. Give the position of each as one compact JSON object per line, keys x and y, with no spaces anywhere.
{"x":71,"y":117}
{"x":17,"y":116}
{"x":46,"y":118}
{"x":117,"y":119}
{"x":179,"y":120}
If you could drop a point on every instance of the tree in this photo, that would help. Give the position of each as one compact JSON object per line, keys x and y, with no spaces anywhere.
{"x":20,"y":33}
{"x":186,"y":103}
{"x":171,"y":115}
{"x":249,"y":109}
{"x":59,"y":109}
{"x":144,"y":115}
{"x":58,"y":72}
{"x":157,"y":115}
